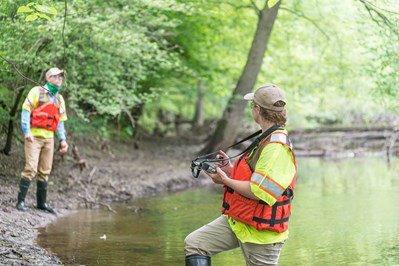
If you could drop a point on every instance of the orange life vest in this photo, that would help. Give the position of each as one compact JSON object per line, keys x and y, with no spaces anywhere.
{"x":47,"y":114}
{"x":258,"y":213}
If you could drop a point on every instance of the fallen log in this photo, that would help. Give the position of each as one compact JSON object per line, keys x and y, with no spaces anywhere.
{"x":344,"y":142}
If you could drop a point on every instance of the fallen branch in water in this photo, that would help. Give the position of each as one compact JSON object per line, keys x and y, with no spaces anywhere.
{"x":108,"y":206}
{"x":348,"y":142}
{"x":94,"y":203}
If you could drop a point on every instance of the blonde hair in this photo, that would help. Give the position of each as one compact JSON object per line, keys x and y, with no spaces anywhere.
{"x":278,"y":118}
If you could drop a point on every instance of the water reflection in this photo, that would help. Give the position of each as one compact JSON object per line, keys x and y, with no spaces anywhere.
{"x":345,"y":212}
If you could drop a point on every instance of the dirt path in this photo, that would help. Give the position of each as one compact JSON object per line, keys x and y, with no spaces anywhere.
{"x":115,"y":172}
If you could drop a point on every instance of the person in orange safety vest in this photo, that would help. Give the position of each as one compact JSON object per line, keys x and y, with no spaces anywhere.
{"x":43,"y":113}
{"x":258,"y":191}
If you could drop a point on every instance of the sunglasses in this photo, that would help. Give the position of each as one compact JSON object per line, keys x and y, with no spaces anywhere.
{"x":59,"y":76}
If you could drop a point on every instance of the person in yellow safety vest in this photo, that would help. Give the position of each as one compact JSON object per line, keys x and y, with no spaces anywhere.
{"x":258,"y":191}
{"x":43,"y":113}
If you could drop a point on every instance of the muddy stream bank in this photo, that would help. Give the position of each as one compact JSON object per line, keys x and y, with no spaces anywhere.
{"x":115,"y":172}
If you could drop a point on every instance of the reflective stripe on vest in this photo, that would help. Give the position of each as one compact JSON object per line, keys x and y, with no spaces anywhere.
{"x":42,"y":101}
{"x":268,"y":184}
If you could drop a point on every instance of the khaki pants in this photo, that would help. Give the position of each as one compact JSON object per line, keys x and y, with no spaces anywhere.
{"x":217,"y":236}
{"x":38,"y":158}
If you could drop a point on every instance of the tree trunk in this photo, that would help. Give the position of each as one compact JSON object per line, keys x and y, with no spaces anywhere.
{"x":13,"y":112}
{"x":198,"y":120}
{"x":134,"y":116}
{"x":226,"y":129}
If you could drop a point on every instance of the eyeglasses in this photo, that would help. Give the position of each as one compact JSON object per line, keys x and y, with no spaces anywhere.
{"x":253,"y":105}
{"x":58,"y":76}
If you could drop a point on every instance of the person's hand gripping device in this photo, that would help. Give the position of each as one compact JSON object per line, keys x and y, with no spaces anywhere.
{"x":197,"y":165}
{"x":205,"y":163}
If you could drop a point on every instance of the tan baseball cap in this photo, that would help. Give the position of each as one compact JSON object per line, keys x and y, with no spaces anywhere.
{"x":267,"y":96}
{"x":54,"y":71}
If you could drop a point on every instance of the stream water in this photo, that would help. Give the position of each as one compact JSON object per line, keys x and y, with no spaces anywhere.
{"x":345,"y":212}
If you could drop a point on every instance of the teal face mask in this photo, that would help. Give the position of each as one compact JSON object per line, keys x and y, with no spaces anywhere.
{"x":53,"y":89}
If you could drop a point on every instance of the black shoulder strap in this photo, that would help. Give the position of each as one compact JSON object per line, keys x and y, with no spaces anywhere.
{"x":259,"y":139}
{"x":250,"y":147}
{"x":235,"y":144}
{"x":245,"y":139}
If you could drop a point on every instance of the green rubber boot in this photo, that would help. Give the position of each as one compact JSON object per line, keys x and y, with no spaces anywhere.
{"x":23,"y":190}
{"x":41,"y":197}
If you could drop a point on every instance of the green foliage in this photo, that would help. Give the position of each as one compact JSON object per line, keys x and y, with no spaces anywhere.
{"x":23,"y":9}
{"x":114,"y":60}
{"x":385,"y":55}
{"x":145,"y":57}
{"x":37,"y":11}
{"x":327,"y":74}
{"x":272,"y":3}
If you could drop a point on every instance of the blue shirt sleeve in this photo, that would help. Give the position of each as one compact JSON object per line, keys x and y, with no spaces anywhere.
{"x":61,"y":131}
{"x":25,"y":121}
